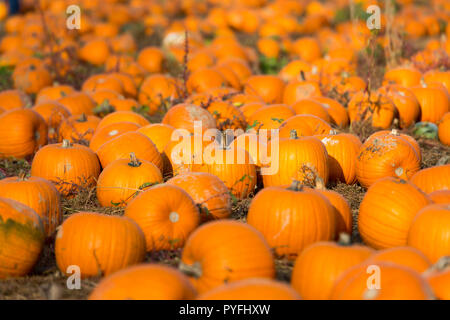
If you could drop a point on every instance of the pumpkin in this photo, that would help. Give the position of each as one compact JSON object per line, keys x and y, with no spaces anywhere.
{"x":395,"y":283}
{"x":386,"y":156}
{"x":342,"y":150}
{"x":54,"y":114}
{"x":151,"y":59}
{"x":232,"y":165}
{"x":54,"y":93}
{"x":406,"y":77}
{"x":430,"y":231}
{"x":144,"y":282}
{"x":404,"y":256}
{"x":440,"y":196}
{"x":14,"y":99}
{"x":184,"y":116}
{"x":31,"y":78}
{"x":338,"y":114}
{"x":269,"y":87}
{"x":120,"y":147}
{"x":374,"y":107}
{"x":256,"y":148}
{"x":22,"y":133}
{"x":123,"y":179}
{"x":78,"y":129}
{"x":209,"y":193}
{"x":214,"y":255}
{"x":320,"y":264}
{"x":444,"y":129}
{"x":123,"y":116}
{"x":303,"y":159}
{"x":98,"y":244}
{"x":157,"y":92}
{"x":128,"y":84}
{"x":270,"y":117}
{"x":69,"y":166}
{"x":251,"y":289}
{"x":406,"y":103}
{"x":387,"y":211}
{"x":38,"y":194}
{"x":227,"y":116}
{"x":22,"y":237}
{"x":102,"y":82}
{"x":204,"y":79}
{"x":95,"y":51}
{"x":166,"y":214}
{"x":438,"y":277}
{"x":297,"y":90}
{"x":78,"y":103}
{"x":110,"y":132}
{"x":299,"y":122}
{"x":433,"y":178}
{"x":291,"y":219}
{"x":434,"y":102}
{"x":160,"y":134}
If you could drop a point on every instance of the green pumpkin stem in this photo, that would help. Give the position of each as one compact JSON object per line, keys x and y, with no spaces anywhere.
{"x":82,"y":118}
{"x":66,"y":144}
{"x":134,"y":162}
{"x":293,"y":134}
{"x":296,"y":186}
{"x":194,"y":270}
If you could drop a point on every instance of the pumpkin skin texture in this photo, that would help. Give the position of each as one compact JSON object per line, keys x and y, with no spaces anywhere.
{"x":38,"y":194}
{"x":386,"y":156}
{"x":318,"y":267}
{"x":98,"y":244}
{"x":183,"y":116}
{"x":270,"y":88}
{"x":290,"y":220}
{"x":67,"y":166}
{"x":387,"y":211}
{"x":342,"y":150}
{"x":315,"y":124}
{"x":430,"y":231}
{"x":376,"y":106}
{"x":209,"y":193}
{"x":145,"y":282}
{"x":121,"y":147}
{"x":122,"y":179}
{"x":110,"y":132}
{"x":433,"y":179}
{"x":123,"y":116}
{"x":78,"y":129}
{"x":336,"y":111}
{"x":404,"y":256}
{"x":439,"y":280}
{"x":444,"y":129}
{"x":160,"y":134}
{"x":252,"y":289}
{"x":440,"y":196}
{"x":22,"y":238}
{"x":301,"y":159}
{"x":434,"y":103}
{"x":214,"y":255}
{"x":166,"y":214}
{"x":14,"y":99}
{"x":396,"y":283}
{"x":22,"y":133}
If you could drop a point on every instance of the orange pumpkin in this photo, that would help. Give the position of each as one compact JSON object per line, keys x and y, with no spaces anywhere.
{"x":433,"y":178}
{"x":434,"y":102}
{"x":104,"y":244}
{"x":404,"y":256}
{"x":22,"y":237}
{"x":184,"y":116}
{"x":444,"y":129}
{"x":78,"y":129}
{"x":160,"y":134}
{"x":269,"y":88}
{"x":110,"y":132}
{"x":166,"y":214}
{"x":440,"y":196}
{"x":123,"y":116}
{"x":214,"y":255}
{"x":144,"y":282}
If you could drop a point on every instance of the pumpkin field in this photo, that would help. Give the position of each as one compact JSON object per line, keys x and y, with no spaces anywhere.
{"x":225,"y":150}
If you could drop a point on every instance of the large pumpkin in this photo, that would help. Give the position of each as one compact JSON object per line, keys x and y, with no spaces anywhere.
{"x":404,"y":256}
{"x":145,"y":282}
{"x":21,"y":237}
{"x":68,"y":166}
{"x":38,"y":194}
{"x":291,"y":219}
{"x":214,"y":255}
{"x":166,"y":214}
{"x":433,"y":178}
{"x":22,"y":133}
{"x":185,"y":116}
{"x":98,"y":244}
{"x":387,"y":211}
{"x":109,"y":132}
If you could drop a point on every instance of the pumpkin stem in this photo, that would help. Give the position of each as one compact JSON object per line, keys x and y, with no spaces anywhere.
{"x":320,"y":185}
{"x":296,"y":186}
{"x":66,"y":144}
{"x":395,"y":132}
{"x":344,"y":239}
{"x":134,"y":162}
{"x":82,"y":118}
{"x":442,"y":264}
{"x":302,"y":75}
{"x":22,"y":175}
{"x":194,"y":270}
{"x":293,"y":134}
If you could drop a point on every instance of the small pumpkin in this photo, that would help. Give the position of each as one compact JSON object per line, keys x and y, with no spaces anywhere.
{"x":78,"y":129}
{"x":110,"y":132}
{"x":214,"y":255}
{"x":98,"y":244}
{"x":160,"y":134}
{"x":22,"y":237}
{"x":68,"y":166}
{"x":166,"y":214}
{"x":145,"y":282}
{"x":123,"y":116}
{"x":184,"y":116}
{"x":444,"y":129}
{"x":269,"y":87}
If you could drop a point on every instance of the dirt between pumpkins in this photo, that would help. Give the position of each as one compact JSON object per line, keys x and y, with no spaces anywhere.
{"x":47,"y":282}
